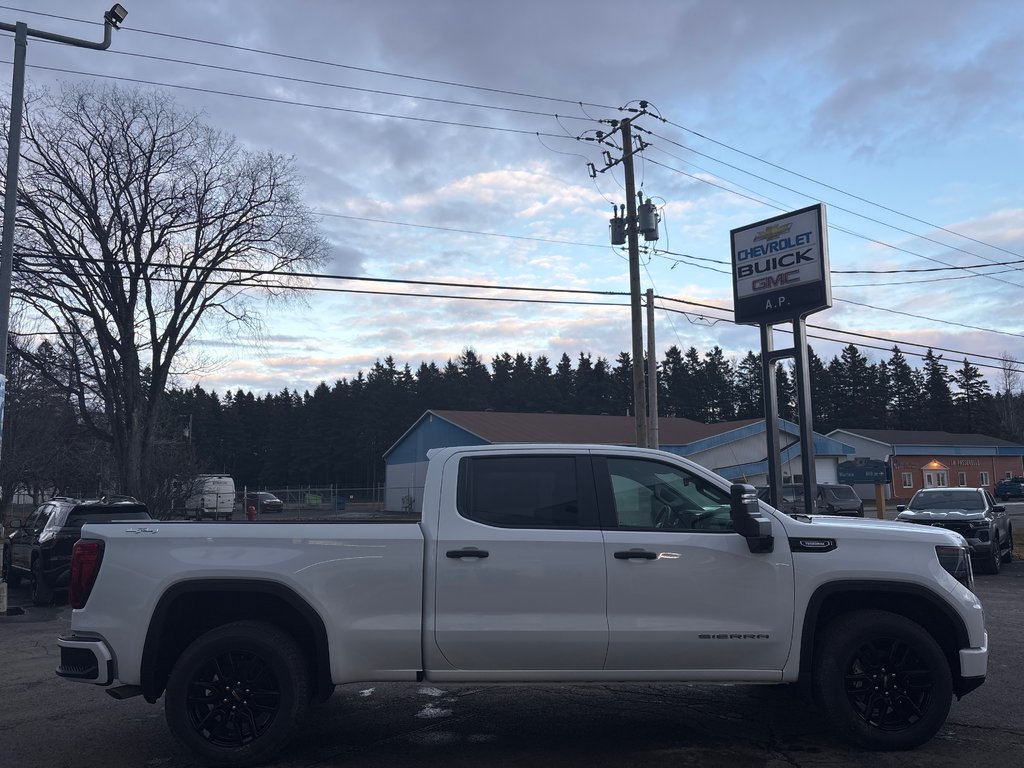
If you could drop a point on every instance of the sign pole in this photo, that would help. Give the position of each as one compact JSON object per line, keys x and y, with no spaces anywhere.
{"x":781,"y":272}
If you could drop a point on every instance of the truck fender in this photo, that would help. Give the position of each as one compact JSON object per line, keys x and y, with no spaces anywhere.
{"x":913,"y":601}
{"x":190,"y":608}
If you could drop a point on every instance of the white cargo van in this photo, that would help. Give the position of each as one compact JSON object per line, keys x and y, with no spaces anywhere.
{"x":212,"y":497}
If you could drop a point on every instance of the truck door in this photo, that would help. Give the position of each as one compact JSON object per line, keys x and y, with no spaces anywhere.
{"x":684,"y":591}
{"x":520,"y":571}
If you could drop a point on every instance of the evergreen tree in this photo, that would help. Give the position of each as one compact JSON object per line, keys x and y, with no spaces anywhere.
{"x":477,"y":391}
{"x":524,"y":395}
{"x":502,"y":393}
{"x":546,"y":397}
{"x":822,"y":401}
{"x":564,"y":380}
{"x":856,"y":392}
{"x":905,"y":387}
{"x":972,"y":399}
{"x":938,"y":399}
{"x":748,"y":388}
{"x":718,"y":376}
{"x":678,"y":383}
{"x":622,"y":385}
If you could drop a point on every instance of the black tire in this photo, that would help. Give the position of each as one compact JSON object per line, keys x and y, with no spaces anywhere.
{"x":237,"y":693}
{"x":883,"y":681}
{"x":1008,"y":557}
{"x":992,"y":562}
{"x":42,"y":593}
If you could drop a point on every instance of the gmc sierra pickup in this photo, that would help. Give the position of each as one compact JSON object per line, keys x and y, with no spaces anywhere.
{"x":529,"y":563}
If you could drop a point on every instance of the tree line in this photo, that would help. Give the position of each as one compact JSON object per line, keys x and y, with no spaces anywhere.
{"x":337,"y":434}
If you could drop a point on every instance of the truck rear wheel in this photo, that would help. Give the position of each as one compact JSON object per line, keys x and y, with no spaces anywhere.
{"x":41,"y":592}
{"x":237,"y":693}
{"x":882,"y":679}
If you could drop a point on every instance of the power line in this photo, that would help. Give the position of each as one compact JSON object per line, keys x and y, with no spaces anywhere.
{"x":309,"y":105}
{"x":460,"y":231}
{"x":484,"y":286}
{"x":321,"y":62}
{"x":840,"y":191}
{"x":840,"y":208}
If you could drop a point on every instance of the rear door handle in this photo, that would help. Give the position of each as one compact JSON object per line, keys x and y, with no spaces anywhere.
{"x":636,"y":554}
{"x":459,"y":553}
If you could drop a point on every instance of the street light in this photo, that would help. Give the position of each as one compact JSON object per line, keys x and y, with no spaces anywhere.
{"x":112,"y":20}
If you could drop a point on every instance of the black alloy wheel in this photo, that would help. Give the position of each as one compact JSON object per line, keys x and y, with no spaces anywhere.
{"x":888,"y":684}
{"x":993,"y":563}
{"x":883,"y":680}
{"x":237,"y":693}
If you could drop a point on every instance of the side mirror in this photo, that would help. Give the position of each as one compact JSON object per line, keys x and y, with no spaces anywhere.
{"x":900,"y":507}
{"x":16,"y":522}
{"x":747,"y":519}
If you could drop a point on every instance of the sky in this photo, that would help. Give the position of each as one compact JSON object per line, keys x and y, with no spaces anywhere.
{"x":447,"y":142}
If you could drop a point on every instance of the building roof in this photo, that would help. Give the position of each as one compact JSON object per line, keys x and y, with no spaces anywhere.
{"x":495,"y":427}
{"x":895,"y":437}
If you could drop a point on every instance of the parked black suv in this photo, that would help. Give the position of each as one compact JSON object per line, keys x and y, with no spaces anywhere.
{"x":1010,"y":488}
{"x":971,"y":512}
{"x":831,"y":499}
{"x":40,"y":547}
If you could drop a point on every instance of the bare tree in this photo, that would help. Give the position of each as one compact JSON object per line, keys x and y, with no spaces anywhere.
{"x":1009,"y":389}
{"x":137,"y":225}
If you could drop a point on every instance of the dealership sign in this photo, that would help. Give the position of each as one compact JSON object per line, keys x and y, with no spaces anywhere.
{"x":780,"y":267}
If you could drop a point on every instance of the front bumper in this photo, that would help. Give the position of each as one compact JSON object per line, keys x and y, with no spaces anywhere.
{"x":973,"y":668}
{"x":979,"y":549}
{"x":85,"y":659}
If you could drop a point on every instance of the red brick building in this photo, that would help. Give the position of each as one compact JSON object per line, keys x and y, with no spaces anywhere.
{"x":935,"y":459}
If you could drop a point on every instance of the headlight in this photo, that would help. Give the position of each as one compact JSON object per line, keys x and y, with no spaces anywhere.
{"x":957,"y":562}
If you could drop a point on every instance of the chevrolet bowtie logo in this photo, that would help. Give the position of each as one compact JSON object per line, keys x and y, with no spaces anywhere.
{"x":773,"y":231}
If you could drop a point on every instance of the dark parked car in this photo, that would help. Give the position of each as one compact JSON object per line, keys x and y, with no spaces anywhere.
{"x":40,"y":547}
{"x":264,"y":502}
{"x":1010,"y":488}
{"x":830,"y":499}
{"x":971,"y":512}
{"x":791,"y":499}
{"x":839,"y":500}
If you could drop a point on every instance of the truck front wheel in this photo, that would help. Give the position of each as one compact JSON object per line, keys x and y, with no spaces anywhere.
{"x":883,"y":681}
{"x":237,"y":693}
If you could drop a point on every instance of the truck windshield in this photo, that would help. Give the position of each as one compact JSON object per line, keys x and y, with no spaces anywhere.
{"x":971,"y":500}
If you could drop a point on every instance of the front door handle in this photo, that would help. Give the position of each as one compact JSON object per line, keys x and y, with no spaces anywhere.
{"x":636,"y":554}
{"x":460,"y":553}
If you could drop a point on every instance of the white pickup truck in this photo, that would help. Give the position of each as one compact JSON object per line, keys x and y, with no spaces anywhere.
{"x":530,"y":563}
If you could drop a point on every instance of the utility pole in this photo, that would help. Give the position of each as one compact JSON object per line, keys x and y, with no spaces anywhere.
{"x":626,"y":225}
{"x":652,"y":374}
{"x":636,"y":318}
{"x":111,"y":20}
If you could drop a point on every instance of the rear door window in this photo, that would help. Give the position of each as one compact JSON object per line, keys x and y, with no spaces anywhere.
{"x":523,"y":492}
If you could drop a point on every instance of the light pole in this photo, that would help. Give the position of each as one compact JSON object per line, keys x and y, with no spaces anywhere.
{"x":112,"y":20}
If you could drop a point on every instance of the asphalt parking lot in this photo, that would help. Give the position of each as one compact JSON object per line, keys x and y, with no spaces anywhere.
{"x":48,"y":723}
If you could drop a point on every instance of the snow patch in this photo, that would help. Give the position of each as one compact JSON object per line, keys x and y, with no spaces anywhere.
{"x":432,"y":711}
